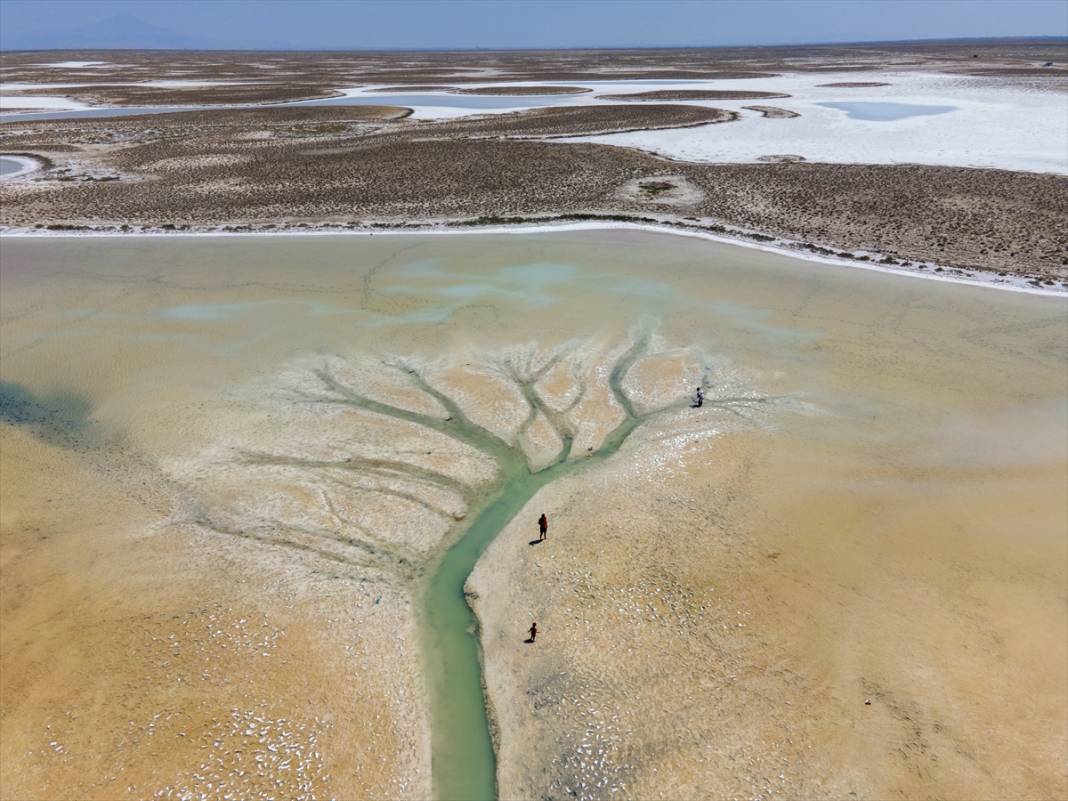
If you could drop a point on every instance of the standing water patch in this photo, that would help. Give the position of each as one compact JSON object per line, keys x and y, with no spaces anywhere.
{"x":886,"y":112}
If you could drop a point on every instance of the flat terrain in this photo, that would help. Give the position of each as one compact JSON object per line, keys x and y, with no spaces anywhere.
{"x":355,"y":166}
{"x":694,"y":94}
{"x":774,"y":113}
{"x":1012,"y":58}
{"x":524,"y":90}
{"x":349,"y":166}
{"x":835,"y":579}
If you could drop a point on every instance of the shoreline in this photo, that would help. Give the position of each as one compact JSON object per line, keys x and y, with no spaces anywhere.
{"x":29,"y":164}
{"x":652,"y":529}
{"x":775,"y":245}
{"x":13,"y":113}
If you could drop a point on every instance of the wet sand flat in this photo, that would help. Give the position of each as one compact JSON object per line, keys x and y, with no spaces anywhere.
{"x":840,"y":576}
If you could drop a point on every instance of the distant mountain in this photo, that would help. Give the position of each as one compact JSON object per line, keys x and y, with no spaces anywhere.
{"x":125,"y":32}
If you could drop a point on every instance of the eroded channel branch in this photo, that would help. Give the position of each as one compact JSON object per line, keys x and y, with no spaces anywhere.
{"x":336,"y":527}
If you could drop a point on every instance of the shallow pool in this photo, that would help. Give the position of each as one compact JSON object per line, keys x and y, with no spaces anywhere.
{"x":873,"y":111}
{"x":443,"y":100}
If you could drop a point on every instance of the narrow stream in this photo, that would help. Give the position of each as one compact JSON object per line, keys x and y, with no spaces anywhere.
{"x":464,"y":765}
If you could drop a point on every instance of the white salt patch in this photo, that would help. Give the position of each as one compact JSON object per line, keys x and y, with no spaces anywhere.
{"x":992,"y":125}
{"x":431,"y":112}
{"x":74,"y":64}
{"x":163,"y":84}
{"x":69,"y":104}
{"x":29,"y":87}
{"x":40,"y":101}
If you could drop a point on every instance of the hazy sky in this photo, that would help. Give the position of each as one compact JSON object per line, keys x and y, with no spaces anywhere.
{"x":551,"y":23}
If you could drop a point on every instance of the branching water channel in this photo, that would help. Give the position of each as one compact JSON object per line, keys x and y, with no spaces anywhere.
{"x":463,"y":757}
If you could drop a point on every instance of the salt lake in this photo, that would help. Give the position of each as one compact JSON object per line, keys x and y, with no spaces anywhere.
{"x":268,"y":464}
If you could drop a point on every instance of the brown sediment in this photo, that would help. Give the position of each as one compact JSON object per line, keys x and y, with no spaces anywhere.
{"x":667,"y":190}
{"x":685,"y":609}
{"x":694,"y":94}
{"x":235,"y":118}
{"x":583,"y":121}
{"x":773,"y":112}
{"x":1020,"y":72}
{"x":353,"y":165}
{"x":338,"y":69}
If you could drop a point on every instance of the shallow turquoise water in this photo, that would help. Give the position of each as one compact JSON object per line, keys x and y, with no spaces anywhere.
{"x":464,"y":763}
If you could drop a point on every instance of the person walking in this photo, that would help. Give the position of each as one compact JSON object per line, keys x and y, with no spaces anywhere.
{"x":533,"y":632}
{"x":543,"y":526}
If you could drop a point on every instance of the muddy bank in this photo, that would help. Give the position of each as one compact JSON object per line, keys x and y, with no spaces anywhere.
{"x":773,"y":112}
{"x":348,"y":168}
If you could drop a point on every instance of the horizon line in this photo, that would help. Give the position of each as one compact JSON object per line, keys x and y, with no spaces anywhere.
{"x":539,"y":48}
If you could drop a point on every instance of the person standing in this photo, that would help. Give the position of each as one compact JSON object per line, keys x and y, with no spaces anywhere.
{"x":543,"y":526}
{"x":533,"y":632}
{"x":700,"y":400}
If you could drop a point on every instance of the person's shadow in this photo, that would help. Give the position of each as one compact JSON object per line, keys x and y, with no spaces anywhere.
{"x":529,"y":640}
{"x":536,"y":542}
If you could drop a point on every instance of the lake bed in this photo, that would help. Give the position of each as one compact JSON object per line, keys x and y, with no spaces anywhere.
{"x":270,"y":444}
